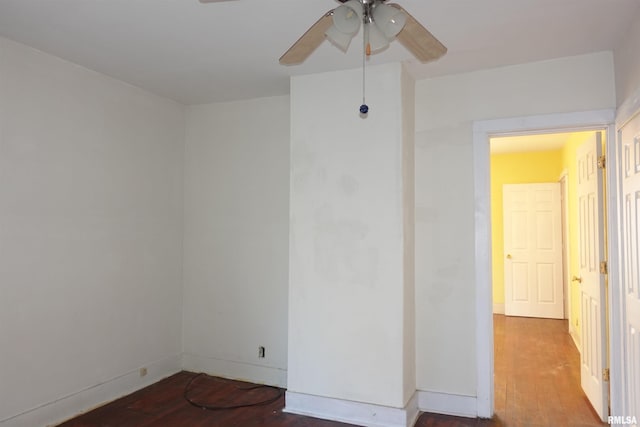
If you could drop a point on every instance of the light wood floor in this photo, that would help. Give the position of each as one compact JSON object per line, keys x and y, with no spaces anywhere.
{"x":537,"y":374}
{"x":537,"y":384}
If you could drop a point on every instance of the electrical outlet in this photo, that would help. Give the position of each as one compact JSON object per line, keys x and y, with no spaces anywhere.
{"x":143,"y":372}
{"x":261,"y":352}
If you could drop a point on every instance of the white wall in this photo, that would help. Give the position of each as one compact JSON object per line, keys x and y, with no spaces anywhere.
{"x":236,"y":239}
{"x":627,"y":63}
{"x":347,"y":284}
{"x":445,"y":110}
{"x":90,"y":237}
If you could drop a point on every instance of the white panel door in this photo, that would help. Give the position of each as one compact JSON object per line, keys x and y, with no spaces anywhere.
{"x":629,"y":136}
{"x":533,"y":250}
{"x":593,"y":357}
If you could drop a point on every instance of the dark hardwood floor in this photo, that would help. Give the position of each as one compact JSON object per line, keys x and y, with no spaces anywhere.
{"x":537,"y":384}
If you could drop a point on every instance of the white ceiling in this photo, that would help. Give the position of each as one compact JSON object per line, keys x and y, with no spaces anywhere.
{"x":529,"y":143}
{"x":199,"y":53}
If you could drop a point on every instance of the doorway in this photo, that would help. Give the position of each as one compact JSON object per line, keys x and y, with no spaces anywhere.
{"x":482,"y":131}
{"x":539,"y":159}
{"x":526,"y":222}
{"x":528,"y":248}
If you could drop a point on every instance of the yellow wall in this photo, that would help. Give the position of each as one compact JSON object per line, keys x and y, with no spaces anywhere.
{"x":515,"y":168}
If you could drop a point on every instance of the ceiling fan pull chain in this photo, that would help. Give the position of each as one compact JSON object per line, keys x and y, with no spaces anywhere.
{"x":364,"y":108}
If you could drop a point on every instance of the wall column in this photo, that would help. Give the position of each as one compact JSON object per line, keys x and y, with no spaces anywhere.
{"x":351,"y":291}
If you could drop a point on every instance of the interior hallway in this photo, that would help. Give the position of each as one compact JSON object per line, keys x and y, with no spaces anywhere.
{"x":537,"y":382}
{"x":537,"y":374}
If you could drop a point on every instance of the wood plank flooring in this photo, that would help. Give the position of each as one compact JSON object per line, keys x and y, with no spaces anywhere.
{"x":537,"y":384}
{"x":537,"y":375}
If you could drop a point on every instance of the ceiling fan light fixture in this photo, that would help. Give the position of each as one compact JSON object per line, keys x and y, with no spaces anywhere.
{"x":375,"y":38}
{"x":389,"y":20}
{"x":338,"y":38}
{"x":347,"y":17}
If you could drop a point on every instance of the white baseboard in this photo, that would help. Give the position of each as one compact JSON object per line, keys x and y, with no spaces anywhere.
{"x":71,"y":405}
{"x":235,"y":370}
{"x":448,"y":404}
{"x":498,"y":308}
{"x":362,"y":414}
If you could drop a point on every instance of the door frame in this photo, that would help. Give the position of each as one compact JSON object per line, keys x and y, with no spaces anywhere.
{"x":563,"y":122}
{"x":566,"y":250}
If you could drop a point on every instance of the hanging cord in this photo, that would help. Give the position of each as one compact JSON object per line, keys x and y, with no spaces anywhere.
{"x":187,"y":391}
{"x":364,"y":63}
{"x":364,"y":108}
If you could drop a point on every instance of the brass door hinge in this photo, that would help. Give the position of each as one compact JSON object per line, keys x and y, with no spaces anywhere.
{"x":603,"y":267}
{"x":602,"y":162}
{"x":605,"y":374}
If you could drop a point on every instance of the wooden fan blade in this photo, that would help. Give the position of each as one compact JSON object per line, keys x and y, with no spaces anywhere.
{"x":309,"y":41}
{"x":418,"y":40}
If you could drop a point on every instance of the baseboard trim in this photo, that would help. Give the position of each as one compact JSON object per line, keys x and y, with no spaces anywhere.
{"x":74,"y":404}
{"x":235,"y":370}
{"x":498,"y":308}
{"x":448,"y":404}
{"x":358,"y":413}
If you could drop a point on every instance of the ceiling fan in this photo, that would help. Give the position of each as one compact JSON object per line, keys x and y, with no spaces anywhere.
{"x":382,"y":23}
